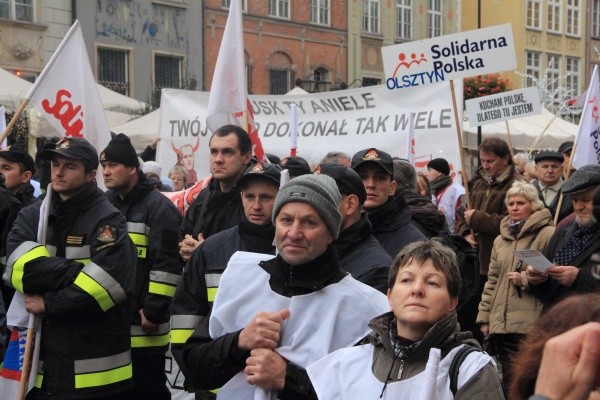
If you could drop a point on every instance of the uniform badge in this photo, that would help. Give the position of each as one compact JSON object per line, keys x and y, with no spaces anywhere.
{"x":107,"y":234}
{"x":318,"y":170}
{"x":372,"y":155}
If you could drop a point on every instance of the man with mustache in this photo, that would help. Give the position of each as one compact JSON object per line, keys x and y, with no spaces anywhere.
{"x":575,"y":247}
{"x":549,"y":168}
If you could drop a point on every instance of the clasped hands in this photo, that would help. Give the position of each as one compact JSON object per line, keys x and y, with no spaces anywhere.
{"x":264,"y":368}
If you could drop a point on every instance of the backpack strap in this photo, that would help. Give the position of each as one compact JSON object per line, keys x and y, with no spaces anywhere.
{"x":457,"y":361}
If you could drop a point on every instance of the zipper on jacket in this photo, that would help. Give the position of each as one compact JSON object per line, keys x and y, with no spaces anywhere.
{"x":400,"y":370}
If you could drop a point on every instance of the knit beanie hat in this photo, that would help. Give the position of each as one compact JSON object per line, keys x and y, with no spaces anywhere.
{"x":440,"y":165}
{"x":319,"y":191}
{"x":152,"y":167}
{"x":120,"y":150}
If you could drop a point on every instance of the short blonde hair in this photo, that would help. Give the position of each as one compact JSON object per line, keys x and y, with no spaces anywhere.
{"x":526,"y":190}
{"x":530,"y":169}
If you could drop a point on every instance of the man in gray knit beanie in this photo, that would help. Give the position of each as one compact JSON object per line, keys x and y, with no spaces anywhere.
{"x":320,"y":192}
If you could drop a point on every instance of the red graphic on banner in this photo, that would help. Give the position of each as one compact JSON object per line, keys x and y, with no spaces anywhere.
{"x":63,"y":110}
{"x":408,"y":64}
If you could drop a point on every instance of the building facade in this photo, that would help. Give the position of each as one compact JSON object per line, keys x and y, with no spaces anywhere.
{"x":286,"y":43}
{"x":30,"y":32}
{"x":138,"y":47}
{"x":373,"y":24}
{"x":551,"y":39}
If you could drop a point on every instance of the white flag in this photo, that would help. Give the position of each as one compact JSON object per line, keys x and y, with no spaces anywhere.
{"x":228,"y":99}
{"x":66,"y":93}
{"x":587,"y":141}
{"x":3,"y":126}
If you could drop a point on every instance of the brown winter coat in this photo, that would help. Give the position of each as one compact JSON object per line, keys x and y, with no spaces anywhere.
{"x":487,"y":198}
{"x":500,"y":306}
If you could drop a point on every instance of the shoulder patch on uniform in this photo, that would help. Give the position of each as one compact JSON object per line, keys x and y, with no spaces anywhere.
{"x":107,"y":234}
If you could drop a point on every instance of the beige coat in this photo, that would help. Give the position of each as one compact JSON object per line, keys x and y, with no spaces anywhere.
{"x":500,"y":305}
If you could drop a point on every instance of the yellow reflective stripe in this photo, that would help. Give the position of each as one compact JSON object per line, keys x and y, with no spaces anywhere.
{"x":103,"y":378}
{"x":18,"y":267}
{"x":139,"y":239}
{"x":38,"y":380}
{"x":141,"y":243}
{"x":94,"y":289}
{"x":161,"y":289}
{"x":211,"y":292}
{"x":98,"y":283}
{"x":150,"y":341}
{"x":180,"y":336}
{"x":215,"y":391}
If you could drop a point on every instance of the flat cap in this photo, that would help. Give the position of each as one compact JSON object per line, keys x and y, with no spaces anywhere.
{"x":267,"y":172}
{"x":566,"y":147}
{"x":583,"y":179}
{"x":74,"y":148}
{"x":549,"y":155}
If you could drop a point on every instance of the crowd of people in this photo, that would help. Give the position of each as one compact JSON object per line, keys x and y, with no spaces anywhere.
{"x":356,"y":278}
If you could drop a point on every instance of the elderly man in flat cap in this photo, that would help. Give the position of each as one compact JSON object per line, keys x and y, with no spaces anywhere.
{"x":572,"y":247}
{"x":549,"y":168}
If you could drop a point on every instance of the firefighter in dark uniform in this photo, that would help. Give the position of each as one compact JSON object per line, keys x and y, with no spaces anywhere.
{"x":80,"y":282}
{"x":153,"y":225}
{"x":199,"y":283}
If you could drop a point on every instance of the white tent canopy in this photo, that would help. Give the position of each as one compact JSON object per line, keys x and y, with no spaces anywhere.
{"x":525,"y":131}
{"x":14,"y":89}
{"x":141,"y":130}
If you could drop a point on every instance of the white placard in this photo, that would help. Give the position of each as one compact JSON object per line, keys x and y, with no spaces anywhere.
{"x":459,"y":55}
{"x":504,"y":106}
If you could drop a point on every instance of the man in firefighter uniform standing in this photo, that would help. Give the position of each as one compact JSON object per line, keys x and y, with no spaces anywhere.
{"x":153,"y":225}
{"x":80,"y":282}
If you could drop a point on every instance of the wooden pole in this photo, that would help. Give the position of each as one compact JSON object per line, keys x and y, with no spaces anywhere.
{"x":27,"y":358}
{"x":460,"y":146}
{"x":534,"y":145}
{"x":510,"y":146}
{"x":14,"y":120}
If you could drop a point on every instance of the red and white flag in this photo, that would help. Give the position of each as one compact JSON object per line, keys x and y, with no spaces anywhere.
{"x":228,"y":101}
{"x":66,"y":95}
{"x":587,"y":141}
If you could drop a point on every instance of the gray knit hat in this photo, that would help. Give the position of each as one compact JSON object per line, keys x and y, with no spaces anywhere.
{"x":319,"y":191}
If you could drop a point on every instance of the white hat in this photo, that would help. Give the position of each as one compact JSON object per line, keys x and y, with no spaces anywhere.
{"x":152,"y":167}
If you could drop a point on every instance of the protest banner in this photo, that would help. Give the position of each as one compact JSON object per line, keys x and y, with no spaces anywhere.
{"x":346,"y":121}
{"x":504,"y":106}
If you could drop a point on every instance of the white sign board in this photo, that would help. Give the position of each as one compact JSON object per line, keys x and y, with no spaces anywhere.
{"x":348,"y":121}
{"x":504,"y":106}
{"x":440,"y":59}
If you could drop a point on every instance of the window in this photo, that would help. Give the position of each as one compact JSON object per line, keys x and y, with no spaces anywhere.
{"x":113,"y":69}
{"x":534,"y":10}
{"x":19,"y":10}
{"x":596,"y":18}
{"x":167,"y":71}
{"x":404,"y":19}
{"x":573,"y":12}
{"x":371,"y":16}
{"x":553,"y":72}
{"x":319,"y":12}
{"x":434,"y":17}
{"x":226,"y":3}
{"x":280,"y":73}
{"x":573,"y":75}
{"x":279,"y":8}
{"x":533,"y":68}
{"x":554,"y":17}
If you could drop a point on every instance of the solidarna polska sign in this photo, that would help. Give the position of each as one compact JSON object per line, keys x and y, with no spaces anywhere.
{"x":459,"y":55}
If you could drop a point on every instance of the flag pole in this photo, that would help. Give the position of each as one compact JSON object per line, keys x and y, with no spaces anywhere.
{"x":293,"y":129}
{"x":460,"y":146}
{"x":14,"y":120}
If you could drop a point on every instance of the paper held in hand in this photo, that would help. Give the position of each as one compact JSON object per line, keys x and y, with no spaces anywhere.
{"x":533,"y":258}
